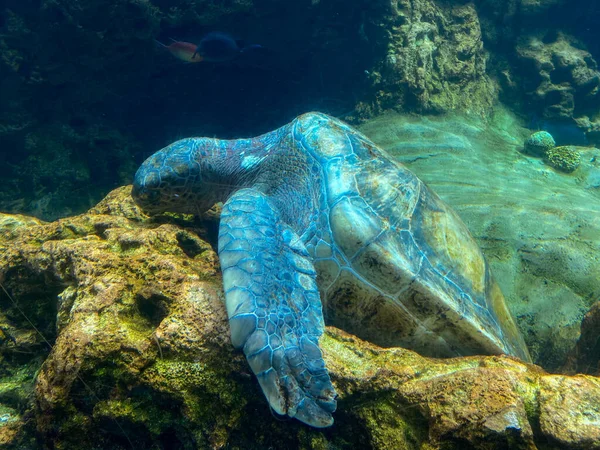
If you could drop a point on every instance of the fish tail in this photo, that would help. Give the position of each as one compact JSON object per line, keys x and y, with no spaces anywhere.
{"x":251,"y":47}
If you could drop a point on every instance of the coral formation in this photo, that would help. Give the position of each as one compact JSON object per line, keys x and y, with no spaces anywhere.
{"x":565,"y":158}
{"x":142,"y":355}
{"x":539,"y":143}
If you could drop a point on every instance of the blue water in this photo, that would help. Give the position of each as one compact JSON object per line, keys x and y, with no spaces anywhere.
{"x":564,"y":132}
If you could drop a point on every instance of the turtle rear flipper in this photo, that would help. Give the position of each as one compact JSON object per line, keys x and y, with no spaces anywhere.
{"x":274,"y":307}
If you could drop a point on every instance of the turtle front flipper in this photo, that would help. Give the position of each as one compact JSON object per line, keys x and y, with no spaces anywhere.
{"x":274,"y":307}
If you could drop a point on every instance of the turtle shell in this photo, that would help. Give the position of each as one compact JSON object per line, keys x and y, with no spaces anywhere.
{"x":395,"y":264}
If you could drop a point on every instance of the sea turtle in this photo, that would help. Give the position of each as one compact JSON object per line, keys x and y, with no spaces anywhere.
{"x":317,"y":219}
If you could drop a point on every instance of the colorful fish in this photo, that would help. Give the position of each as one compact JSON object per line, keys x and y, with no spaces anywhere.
{"x":185,"y":51}
{"x":214,"y":47}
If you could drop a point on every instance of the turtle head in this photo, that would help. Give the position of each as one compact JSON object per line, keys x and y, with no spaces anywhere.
{"x":171,"y":180}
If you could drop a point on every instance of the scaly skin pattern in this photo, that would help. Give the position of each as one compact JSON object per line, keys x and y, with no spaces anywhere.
{"x":318,"y":219}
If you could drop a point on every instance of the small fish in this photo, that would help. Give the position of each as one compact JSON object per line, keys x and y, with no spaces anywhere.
{"x":214,"y":47}
{"x":185,"y":51}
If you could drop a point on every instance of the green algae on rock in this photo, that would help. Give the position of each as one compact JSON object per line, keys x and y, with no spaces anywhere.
{"x":539,"y":143}
{"x":434,"y":61}
{"x":565,"y":158}
{"x":144,"y":326}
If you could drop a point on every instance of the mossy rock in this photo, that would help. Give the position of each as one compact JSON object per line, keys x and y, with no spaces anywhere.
{"x":539,"y":143}
{"x":564,"y":158}
{"x":142,"y":359}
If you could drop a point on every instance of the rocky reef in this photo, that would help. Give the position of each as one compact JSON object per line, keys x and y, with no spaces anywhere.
{"x":434,"y":60}
{"x":138,"y":356}
{"x":135,"y":350}
{"x":85,"y":88}
{"x":561,"y":78}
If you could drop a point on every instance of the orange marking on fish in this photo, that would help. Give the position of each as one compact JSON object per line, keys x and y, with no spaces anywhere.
{"x":185,"y":51}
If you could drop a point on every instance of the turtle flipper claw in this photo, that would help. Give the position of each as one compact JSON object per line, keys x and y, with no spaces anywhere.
{"x":274,"y":307}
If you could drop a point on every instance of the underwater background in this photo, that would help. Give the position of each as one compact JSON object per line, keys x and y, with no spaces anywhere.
{"x":465,"y":94}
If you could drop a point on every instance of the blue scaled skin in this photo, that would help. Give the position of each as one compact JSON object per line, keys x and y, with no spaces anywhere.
{"x":274,"y":307}
{"x":315,"y":203}
{"x":272,"y":298}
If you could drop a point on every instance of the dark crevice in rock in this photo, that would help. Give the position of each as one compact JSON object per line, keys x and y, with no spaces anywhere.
{"x":152,"y":304}
{"x":191,"y":245}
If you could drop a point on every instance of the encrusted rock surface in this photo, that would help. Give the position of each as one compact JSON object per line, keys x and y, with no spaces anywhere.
{"x":585,"y":357}
{"x":565,"y":158}
{"x":141,"y":357}
{"x":434,"y":62}
{"x":539,"y":143}
{"x":561,"y":78}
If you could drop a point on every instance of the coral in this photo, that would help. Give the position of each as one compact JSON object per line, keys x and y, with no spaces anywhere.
{"x":539,"y":143}
{"x":565,"y":158}
{"x":142,"y":357}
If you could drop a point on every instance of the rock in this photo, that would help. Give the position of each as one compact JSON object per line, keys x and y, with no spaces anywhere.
{"x":537,"y":7}
{"x":142,"y":358}
{"x":562,"y":402}
{"x":539,"y":143}
{"x":434,"y":60}
{"x":585,"y":357}
{"x":560,"y":76}
{"x":565,"y":158}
